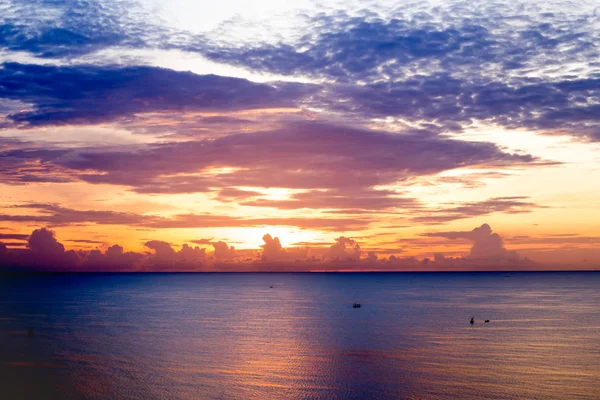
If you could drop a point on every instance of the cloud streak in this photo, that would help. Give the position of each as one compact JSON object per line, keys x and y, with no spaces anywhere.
{"x":96,"y":94}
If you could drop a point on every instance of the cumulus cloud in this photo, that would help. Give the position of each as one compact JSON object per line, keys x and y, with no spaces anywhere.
{"x":162,"y":250}
{"x":43,"y":241}
{"x":46,"y":253}
{"x":272,"y":249}
{"x":165,"y":257}
{"x":43,"y":251}
{"x":487,"y":248}
{"x":223,"y":252}
{"x":114,"y":259}
{"x":344,"y":249}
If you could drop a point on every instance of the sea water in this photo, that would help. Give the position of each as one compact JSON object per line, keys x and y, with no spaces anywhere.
{"x":232,"y":336}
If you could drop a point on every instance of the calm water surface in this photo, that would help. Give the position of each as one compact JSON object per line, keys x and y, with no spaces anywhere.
{"x":231,"y":336}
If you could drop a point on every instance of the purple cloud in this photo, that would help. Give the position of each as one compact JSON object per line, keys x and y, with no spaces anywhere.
{"x":55,"y":215}
{"x":95,"y":94}
{"x":304,"y":156}
{"x":510,"y":205}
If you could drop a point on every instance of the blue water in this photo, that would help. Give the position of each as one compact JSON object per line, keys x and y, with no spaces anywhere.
{"x":231,"y":336}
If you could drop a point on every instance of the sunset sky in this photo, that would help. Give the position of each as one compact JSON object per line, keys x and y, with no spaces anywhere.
{"x":305,"y":135}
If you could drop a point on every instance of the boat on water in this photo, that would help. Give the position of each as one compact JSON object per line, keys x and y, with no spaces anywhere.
{"x":356,"y":305}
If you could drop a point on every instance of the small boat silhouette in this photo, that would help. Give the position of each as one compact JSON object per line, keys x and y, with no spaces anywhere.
{"x":487,"y":320}
{"x":356,"y":305}
{"x":271,"y":286}
{"x":472,"y":322}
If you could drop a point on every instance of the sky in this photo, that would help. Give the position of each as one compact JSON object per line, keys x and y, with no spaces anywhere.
{"x":164,"y":135}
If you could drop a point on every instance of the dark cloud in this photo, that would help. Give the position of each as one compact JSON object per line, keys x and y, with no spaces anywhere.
{"x":42,"y":241}
{"x":43,"y":252}
{"x":95,"y":94}
{"x":13,"y":236}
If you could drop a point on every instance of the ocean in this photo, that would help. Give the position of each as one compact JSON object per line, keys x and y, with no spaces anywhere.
{"x":233,"y":336}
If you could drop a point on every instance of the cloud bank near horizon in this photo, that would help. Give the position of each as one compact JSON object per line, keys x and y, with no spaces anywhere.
{"x":43,"y":252}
